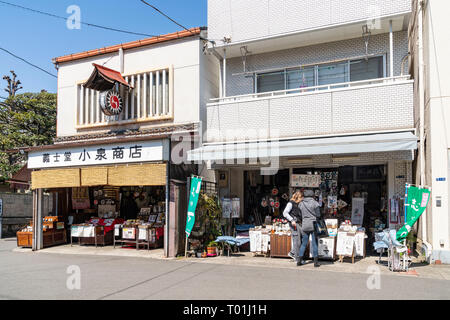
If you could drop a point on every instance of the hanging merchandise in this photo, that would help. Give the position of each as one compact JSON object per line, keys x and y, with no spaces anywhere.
{"x":343,"y":191}
{"x":341,"y":204}
{"x":226,"y":208}
{"x":274,"y":191}
{"x":332,"y":202}
{"x":80,"y":198}
{"x":285,"y":196}
{"x":320,"y":199}
{"x":264,"y":203}
{"x":357,"y":211}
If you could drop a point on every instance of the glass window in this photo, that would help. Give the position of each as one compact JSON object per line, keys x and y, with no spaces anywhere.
{"x":273,"y":81}
{"x":300,"y":78}
{"x":333,"y":73}
{"x":366,"y":69}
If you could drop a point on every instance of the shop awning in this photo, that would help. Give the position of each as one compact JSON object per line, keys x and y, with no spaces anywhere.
{"x":383,"y":142}
{"x":146,"y":174}
{"x":103,"y":79}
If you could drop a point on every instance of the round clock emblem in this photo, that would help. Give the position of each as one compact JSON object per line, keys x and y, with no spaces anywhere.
{"x":111,"y":103}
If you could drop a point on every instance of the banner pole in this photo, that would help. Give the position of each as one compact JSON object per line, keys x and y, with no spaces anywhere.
{"x":185,"y":247}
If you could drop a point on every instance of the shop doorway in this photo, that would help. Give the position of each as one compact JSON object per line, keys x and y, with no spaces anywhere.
{"x":265,"y":197}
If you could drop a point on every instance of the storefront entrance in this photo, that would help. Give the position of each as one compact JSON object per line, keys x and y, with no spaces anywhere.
{"x":353,"y":195}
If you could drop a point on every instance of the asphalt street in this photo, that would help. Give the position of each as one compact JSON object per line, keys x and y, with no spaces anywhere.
{"x":28,"y":275}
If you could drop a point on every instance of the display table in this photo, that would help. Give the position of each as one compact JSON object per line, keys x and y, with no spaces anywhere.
{"x":280,"y":245}
{"x":97,"y":231}
{"x":51,"y":237}
{"x":139,"y":235}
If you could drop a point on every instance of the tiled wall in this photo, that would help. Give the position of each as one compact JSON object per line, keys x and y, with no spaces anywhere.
{"x":250,"y":19}
{"x":359,"y":109}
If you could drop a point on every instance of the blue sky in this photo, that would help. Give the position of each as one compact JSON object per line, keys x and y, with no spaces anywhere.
{"x":40,"y":38}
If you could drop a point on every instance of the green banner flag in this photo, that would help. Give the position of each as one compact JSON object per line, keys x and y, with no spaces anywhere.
{"x":416,"y":202}
{"x":196,"y":184}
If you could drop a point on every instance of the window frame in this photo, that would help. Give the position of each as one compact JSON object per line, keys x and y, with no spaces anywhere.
{"x":316,"y":71}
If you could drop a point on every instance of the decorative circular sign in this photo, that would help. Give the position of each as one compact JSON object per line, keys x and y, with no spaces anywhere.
{"x":111,"y":103}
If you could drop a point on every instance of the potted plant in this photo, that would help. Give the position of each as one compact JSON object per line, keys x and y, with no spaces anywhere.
{"x":210,"y":213}
{"x":212,"y":248}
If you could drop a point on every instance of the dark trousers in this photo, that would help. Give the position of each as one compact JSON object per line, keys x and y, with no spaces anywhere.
{"x":305,"y":240}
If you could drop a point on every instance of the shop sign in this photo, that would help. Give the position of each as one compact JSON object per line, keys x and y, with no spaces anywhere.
{"x":306,"y":180}
{"x":111,"y":102}
{"x":141,"y":151}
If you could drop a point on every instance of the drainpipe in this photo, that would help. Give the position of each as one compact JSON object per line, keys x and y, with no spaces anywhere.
{"x":391,"y":50}
{"x":224,"y":81}
{"x":167,"y":204}
{"x":423,"y":219}
{"x":405,"y":58}
{"x":121,"y":61}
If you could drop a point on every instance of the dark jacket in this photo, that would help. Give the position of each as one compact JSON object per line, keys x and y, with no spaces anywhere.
{"x":310,"y":210}
{"x":292,"y":212}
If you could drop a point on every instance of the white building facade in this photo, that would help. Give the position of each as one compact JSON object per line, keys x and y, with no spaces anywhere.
{"x":430,"y":48}
{"x":308,"y":85}
{"x":166,"y":81}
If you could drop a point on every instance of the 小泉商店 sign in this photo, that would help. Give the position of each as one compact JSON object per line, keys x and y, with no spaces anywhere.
{"x":142,"y":151}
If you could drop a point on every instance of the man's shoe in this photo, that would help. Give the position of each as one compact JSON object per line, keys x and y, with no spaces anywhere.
{"x":291,"y":255}
{"x":300,"y":263}
{"x":316,"y":262}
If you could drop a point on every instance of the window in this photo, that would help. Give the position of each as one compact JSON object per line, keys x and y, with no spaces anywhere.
{"x":300,"y":78}
{"x":332,"y":73}
{"x":366,"y":69}
{"x":273,"y":81}
{"x":321,"y":75}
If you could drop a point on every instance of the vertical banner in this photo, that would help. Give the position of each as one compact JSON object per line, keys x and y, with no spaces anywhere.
{"x":357,"y":211}
{"x":196,"y":184}
{"x":416,"y":203}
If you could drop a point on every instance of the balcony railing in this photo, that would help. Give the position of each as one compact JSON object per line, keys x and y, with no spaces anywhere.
{"x":149,"y":100}
{"x":310,"y":90}
{"x":351,"y":107}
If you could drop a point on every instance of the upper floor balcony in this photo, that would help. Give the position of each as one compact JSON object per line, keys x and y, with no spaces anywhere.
{"x":150,"y":99}
{"x":374,"y":105}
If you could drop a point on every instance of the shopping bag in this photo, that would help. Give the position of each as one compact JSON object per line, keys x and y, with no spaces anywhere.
{"x":320,"y":228}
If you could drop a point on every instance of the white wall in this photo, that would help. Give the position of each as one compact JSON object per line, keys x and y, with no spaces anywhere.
{"x":250,"y":19}
{"x":185,"y":56}
{"x":437,"y":97}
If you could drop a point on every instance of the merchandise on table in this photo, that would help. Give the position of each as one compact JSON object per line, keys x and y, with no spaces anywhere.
{"x":54,"y":233}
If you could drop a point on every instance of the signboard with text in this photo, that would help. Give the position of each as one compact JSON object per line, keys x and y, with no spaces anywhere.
{"x":141,"y":151}
{"x":306,"y":180}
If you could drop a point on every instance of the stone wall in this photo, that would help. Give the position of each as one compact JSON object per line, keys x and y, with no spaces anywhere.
{"x":18,"y":210}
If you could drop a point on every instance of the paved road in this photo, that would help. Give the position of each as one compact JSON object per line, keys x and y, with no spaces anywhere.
{"x":44,"y":276}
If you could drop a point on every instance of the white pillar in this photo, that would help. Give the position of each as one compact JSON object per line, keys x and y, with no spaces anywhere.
{"x":37,"y":219}
{"x":391,"y":179}
{"x":224,"y":82}
{"x":121,"y":61}
{"x":391,"y":50}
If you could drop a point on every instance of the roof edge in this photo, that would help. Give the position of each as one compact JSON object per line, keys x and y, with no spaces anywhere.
{"x":130,"y":45}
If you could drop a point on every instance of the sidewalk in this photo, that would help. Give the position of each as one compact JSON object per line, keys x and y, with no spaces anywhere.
{"x":361,"y":266}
